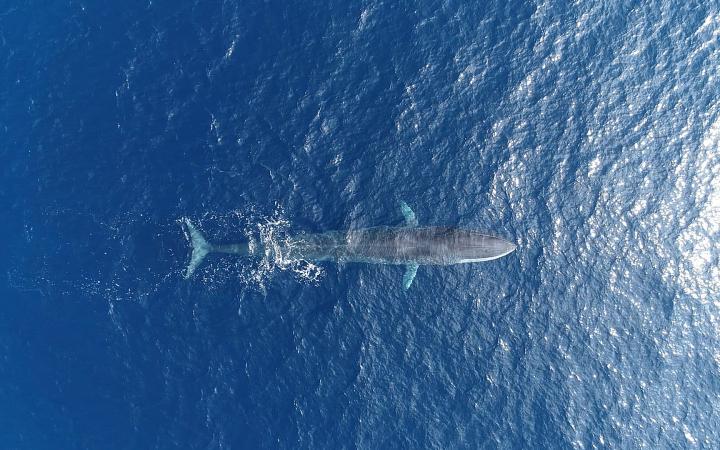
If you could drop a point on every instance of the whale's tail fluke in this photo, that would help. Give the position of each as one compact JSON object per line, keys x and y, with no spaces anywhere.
{"x":200,"y":248}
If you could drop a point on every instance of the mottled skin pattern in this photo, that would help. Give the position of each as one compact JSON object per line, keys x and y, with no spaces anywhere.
{"x":399,"y":245}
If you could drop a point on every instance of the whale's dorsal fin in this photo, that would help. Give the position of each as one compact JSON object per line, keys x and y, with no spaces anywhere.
{"x":409,"y":214}
{"x":410,"y":272}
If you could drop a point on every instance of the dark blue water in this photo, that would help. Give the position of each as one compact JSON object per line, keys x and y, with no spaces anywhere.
{"x":587,"y":133}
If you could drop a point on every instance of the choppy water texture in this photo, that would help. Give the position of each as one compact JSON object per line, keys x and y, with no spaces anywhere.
{"x":586,"y":132}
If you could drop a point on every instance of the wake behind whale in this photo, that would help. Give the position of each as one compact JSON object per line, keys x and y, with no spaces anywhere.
{"x":409,"y":245}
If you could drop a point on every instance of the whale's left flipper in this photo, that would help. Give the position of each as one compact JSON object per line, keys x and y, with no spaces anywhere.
{"x":409,"y":214}
{"x":410,"y":272}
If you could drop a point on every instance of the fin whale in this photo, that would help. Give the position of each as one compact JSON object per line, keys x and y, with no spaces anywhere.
{"x":409,"y":245}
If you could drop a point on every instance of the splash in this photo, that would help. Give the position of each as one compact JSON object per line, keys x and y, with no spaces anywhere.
{"x":271,"y":237}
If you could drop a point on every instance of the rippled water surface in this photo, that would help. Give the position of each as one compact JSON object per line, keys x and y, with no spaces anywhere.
{"x":588,"y":133}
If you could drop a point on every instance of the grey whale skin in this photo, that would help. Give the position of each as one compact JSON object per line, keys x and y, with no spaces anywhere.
{"x":407,"y":245}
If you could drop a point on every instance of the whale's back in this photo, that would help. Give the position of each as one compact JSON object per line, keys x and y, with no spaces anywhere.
{"x":400,"y":245}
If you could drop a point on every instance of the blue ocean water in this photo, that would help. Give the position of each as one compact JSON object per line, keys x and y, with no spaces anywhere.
{"x":586,"y":132}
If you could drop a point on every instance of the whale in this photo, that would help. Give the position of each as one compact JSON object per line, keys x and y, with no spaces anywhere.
{"x":408,"y":245}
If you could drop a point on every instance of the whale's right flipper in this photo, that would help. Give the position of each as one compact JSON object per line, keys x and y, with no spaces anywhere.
{"x":200,"y":248}
{"x":410,"y":272}
{"x":409,"y":214}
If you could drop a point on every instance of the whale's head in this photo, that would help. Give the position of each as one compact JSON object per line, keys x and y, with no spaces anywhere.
{"x":477,"y":247}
